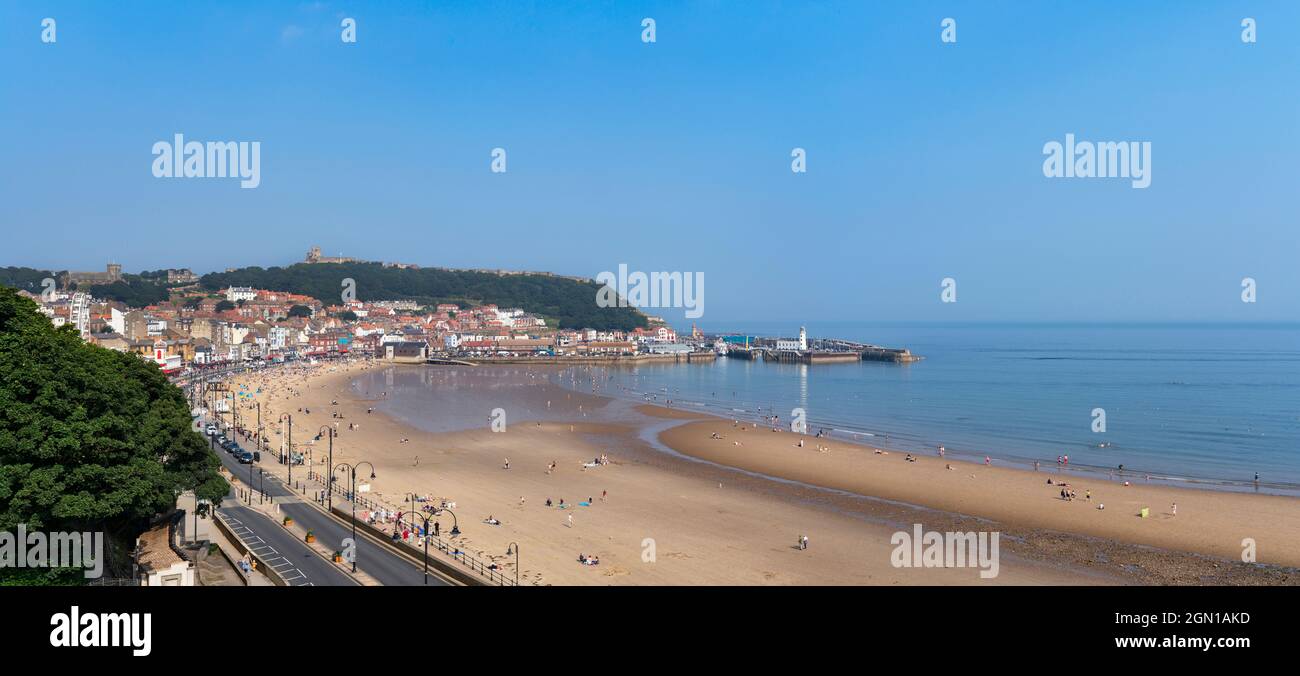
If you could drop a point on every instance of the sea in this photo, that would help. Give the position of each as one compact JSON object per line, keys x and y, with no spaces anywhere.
{"x":1206,"y":403}
{"x":1203,"y":404}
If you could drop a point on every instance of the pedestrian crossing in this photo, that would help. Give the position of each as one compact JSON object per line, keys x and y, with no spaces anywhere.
{"x":290,"y":573}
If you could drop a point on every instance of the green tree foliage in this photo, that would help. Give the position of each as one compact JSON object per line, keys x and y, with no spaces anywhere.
{"x":225,"y":306}
{"x":134,"y":290}
{"x":300,"y":311}
{"x":27,"y":279}
{"x":147,"y":288}
{"x":569,"y":301}
{"x":90,"y":438}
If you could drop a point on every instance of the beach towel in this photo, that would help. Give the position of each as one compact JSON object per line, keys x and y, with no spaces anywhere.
{"x":585,"y":504}
{"x":1146,"y":511}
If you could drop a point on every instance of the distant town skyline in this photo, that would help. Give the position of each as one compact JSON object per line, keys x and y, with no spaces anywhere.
{"x":925,"y":159}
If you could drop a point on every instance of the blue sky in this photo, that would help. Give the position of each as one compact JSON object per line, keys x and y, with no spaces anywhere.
{"x":924,"y":159}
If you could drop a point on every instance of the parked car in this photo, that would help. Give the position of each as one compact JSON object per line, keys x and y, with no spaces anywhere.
{"x":245,"y":458}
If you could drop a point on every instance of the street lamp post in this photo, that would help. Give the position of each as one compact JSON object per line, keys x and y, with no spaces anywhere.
{"x":250,"y":484}
{"x":290,"y":446}
{"x":455,"y":526}
{"x":514,"y":549}
{"x":329,"y":483}
{"x":352,"y":472}
{"x":234,"y":418}
{"x":427,"y":535}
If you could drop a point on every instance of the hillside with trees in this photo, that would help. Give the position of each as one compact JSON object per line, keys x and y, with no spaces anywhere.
{"x":26,"y":279}
{"x":134,"y":290}
{"x":569,"y":302}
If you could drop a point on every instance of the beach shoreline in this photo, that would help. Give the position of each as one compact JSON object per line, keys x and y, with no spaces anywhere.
{"x":701,"y":519}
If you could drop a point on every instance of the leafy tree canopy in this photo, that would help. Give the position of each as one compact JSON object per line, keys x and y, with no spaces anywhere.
{"x":134,"y":290}
{"x":90,"y":438}
{"x":27,"y":279}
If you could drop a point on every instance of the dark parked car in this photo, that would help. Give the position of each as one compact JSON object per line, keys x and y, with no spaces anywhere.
{"x":245,"y":458}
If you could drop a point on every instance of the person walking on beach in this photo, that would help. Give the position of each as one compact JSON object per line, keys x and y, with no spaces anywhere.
{"x":570,"y":521}
{"x":803,"y":542}
{"x":507,"y":463}
{"x":1173,"y":509}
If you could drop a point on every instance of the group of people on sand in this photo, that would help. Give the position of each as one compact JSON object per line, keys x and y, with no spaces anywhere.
{"x":1068,"y":493}
{"x":585,"y":560}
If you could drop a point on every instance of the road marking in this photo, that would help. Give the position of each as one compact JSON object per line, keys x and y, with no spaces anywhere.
{"x":270,"y":555}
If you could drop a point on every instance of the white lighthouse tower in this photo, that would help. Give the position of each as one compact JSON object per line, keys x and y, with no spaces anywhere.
{"x":803,"y":339}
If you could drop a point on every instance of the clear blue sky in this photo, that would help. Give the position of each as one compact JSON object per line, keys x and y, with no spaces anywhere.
{"x":924,"y":159}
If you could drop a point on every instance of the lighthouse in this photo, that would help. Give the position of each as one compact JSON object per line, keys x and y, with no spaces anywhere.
{"x":803,"y":339}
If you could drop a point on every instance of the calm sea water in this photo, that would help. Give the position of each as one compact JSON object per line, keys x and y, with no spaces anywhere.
{"x":1184,"y":402}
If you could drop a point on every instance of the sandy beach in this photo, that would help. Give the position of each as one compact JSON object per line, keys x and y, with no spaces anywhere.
{"x":707,"y":517}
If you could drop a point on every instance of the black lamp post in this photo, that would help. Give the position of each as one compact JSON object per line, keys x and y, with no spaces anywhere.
{"x":289,"y":446}
{"x":514,"y":549}
{"x":250,"y":484}
{"x":455,"y":527}
{"x":427,"y":535}
{"x":352,"y":472}
{"x":329,"y":483}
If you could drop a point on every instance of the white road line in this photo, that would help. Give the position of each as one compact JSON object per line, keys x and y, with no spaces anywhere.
{"x":267,"y":553}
